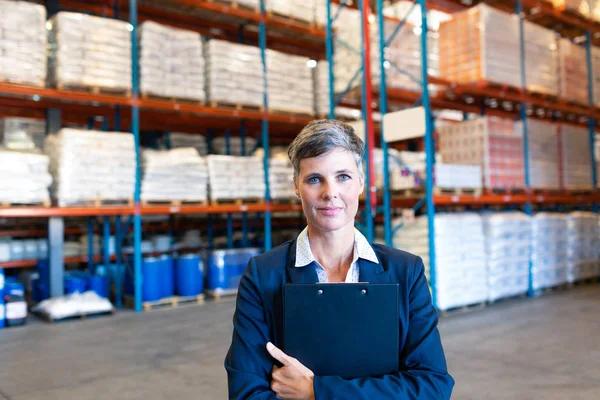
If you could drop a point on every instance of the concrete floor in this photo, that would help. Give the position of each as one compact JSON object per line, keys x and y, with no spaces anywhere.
{"x":547,"y":348}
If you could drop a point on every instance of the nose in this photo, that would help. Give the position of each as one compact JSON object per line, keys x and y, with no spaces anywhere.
{"x":329,"y":191}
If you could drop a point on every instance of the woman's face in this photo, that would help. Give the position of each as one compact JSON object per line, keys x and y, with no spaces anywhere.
{"x":329,"y":187}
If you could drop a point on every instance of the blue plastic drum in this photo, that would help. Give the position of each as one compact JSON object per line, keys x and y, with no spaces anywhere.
{"x":189,"y":278}
{"x":99,"y":284}
{"x":74,"y":284}
{"x":167,"y":284}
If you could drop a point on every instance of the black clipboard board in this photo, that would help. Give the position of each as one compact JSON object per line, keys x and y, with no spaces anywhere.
{"x":349,"y":330}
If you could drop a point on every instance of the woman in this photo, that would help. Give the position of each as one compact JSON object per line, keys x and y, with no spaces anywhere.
{"x":328,"y":177}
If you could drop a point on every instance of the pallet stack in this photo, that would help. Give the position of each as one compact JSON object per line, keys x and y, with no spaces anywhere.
{"x":22,"y":133}
{"x":541,"y":59}
{"x":25,"y":178}
{"x":290,"y":83}
{"x":81,"y":176}
{"x":583,"y":246}
{"x":544,"y":157}
{"x":576,"y":159}
{"x":297,"y":9}
{"x":179,"y":174}
{"x":234,"y":148}
{"x":321,"y":88}
{"x":490,"y":142}
{"x":180,"y":139}
{"x":23,"y":42}
{"x":88,"y":52}
{"x":572,"y":72}
{"x":233,"y":178}
{"x":171,"y":62}
{"x":549,"y":249}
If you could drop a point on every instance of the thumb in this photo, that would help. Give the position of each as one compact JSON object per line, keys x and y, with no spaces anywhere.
{"x":279,"y":355}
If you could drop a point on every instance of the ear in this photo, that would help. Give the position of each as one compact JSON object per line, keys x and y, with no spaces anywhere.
{"x":362,"y":186}
{"x":296,"y":189}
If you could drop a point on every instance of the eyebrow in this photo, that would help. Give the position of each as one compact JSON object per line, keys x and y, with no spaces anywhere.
{"x":341,"y":171}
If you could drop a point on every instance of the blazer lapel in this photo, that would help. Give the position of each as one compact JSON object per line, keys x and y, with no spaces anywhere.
{"x":371,"y":272}
{"x":306,"y":274}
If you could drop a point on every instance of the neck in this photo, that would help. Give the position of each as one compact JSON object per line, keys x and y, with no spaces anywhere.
{"x":333,"y":250}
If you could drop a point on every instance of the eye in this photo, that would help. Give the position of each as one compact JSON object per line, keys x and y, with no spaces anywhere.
{"x":313,"y":179}
{"x":344,"y":177}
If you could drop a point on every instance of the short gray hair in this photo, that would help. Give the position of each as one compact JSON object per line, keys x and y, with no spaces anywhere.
{"x":322,"y":136}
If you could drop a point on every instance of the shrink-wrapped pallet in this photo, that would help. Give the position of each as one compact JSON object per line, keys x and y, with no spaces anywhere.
{"x":596,"y":75}
{"x":297,"y":9}
{"x":290,"y":83}
{"x":576,"y":158}
{"x":91,"y":165}
{"x":490,"y":142}
{"x":179,"y":174}
{"x":572,"y":72}
{"x":481,"y":44}
{"x":89,"y":52}
{"x":321,"y":88}
{"x":544,"y":157}
{"x":541,"y":59}
{"x":23,"y":43}
{"x":171,"y":62}
{"x":232,"y":177}
{"x":233,"y":146}
{"x":583,"y":246}
{"x":25,"y":178}
{"x":461,"y":269}
{"x":549,"y":249}
{"x":180,"y":139}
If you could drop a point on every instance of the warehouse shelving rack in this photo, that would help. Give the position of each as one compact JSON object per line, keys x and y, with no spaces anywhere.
{"x":454,"y":97}
{"x":216,"y":19}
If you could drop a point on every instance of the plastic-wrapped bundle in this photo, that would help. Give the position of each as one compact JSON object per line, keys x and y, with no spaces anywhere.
{"x":508,"y":240}
{"x":404,"y":52}
{"x":548,"y":249}
{"x":91,"y":165}
{"x":232,"y":177}
{"x":219,"y":146}
{"x":583,"y":248}
{"x":576,"y":160}
{"x":22,"y":133}
{"x":233,"y":73}
{"x":281,"y":178}
{"x":490,"y":142}
{"x":461,"y":270}
{"x":541,"y":59}
{"x":171,"y":62}
{"x":25,"y":177}
{"x":596,"y":73}
{"x":23,"y":42}
{"x":572,"y":71}
{"x":544,"y":160}
{"x":290,"y":83}
{"x":321,"y":88}
{"x":225,"y":269}
{"x":298,"y":9}
{"x":91,"y":52}
{"x":178,"y":140}
{"x":179,"y":174}
{"x":480,"y":43}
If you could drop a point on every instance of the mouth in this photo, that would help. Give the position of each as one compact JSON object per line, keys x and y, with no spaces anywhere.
{"x":329,"y":211}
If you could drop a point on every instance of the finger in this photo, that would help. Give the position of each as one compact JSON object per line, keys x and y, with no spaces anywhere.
{"x":279,"y":355}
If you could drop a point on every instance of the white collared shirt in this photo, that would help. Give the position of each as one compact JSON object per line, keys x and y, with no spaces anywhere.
{"x":362,"y":249}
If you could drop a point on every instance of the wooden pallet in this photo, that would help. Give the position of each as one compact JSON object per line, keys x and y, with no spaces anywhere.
{"x":507,"y":299}
{"x":174,"y":203}
{"x":169,"y":302}
{"x":292,"y":113}
{"x":457,"y":191}
{"x":221,"y":295}
{"x":46,"y":317}
{"x":552,"y":289}
{"x":102,"y":202}
{"x":504,"y":191}
{"x":237,"y":202}
{"x":291,"y":200}
{"x":238,"y":107}
{"x":583,"y":282}
{"x":462,"y":309}
{"x":6,"y":204}
{"x":235,"y":4}
{"x":94,"y":89}
{"x":149,"y":96}
{"x":579,"y":189}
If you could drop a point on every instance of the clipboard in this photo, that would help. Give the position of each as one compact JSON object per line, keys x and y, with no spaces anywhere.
{"x":349,"y":330}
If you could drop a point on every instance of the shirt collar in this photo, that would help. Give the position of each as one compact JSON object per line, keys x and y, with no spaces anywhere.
{"x":362,"y":249}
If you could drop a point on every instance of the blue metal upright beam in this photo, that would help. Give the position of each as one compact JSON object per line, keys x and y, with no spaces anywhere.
{"x":430,"y":153}
{"x":523,"y":115}
{"x":329,"y":54}
{"x":90,"y":232}
{"x":591,"y":121}
{"x":244,"y":215}
{"x":106,"y":241}
{"x":135,"y":130}
{"x":119,"y":236}
{"x":265,"y":121}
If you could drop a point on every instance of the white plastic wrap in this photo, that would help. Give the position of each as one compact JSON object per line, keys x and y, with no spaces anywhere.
{"x":321,"y":88}
{"x":23,"y":42}
{"x":583,"y":247}
{"x":596,"y":73}
{"x":178,"y":140}
{"x":461,"y":270}
{"x":219,"y":146}
{"x":549,"y":249}
{"x":22,"y":133}
{"x":232,"y":177}
{"x":297,"y":9}
{"x":481,"y":43}
{"x":171,"y":62}
{"x":74,"y":305}
{"x":544,"y":160}
{"x":572,"y":72}
{"x":576,"y":159}
{"x":91,"y":165}
{"x":290,"y":83}
{"x":541,"y":59}
{"x":179,"y":174}
{"x":88,"y":51}
{"x":508,"y":240}
{"x":25,"y":177}
{"x":490,"y":142}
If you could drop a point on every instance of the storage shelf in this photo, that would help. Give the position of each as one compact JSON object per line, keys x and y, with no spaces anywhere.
{"x":68,"y":260}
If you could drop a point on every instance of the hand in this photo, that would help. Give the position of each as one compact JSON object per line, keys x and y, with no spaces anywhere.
{"x":293,"y":380}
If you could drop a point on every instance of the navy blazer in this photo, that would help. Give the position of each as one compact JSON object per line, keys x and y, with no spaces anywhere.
{"x":258,"y":319}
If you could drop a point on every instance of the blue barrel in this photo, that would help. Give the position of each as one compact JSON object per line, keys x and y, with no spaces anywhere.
{"x":2,"y":307}
{"x":40,"y":291}
{"x":99,"y":284}
{"x":15,"y":304}
{"x":43,"y":267}
{"x":189,"y":278}
{"x":151,"y":279}
{"x":167,"y":285}
{"x":74,"y":284}
{"x":225,"y":267}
